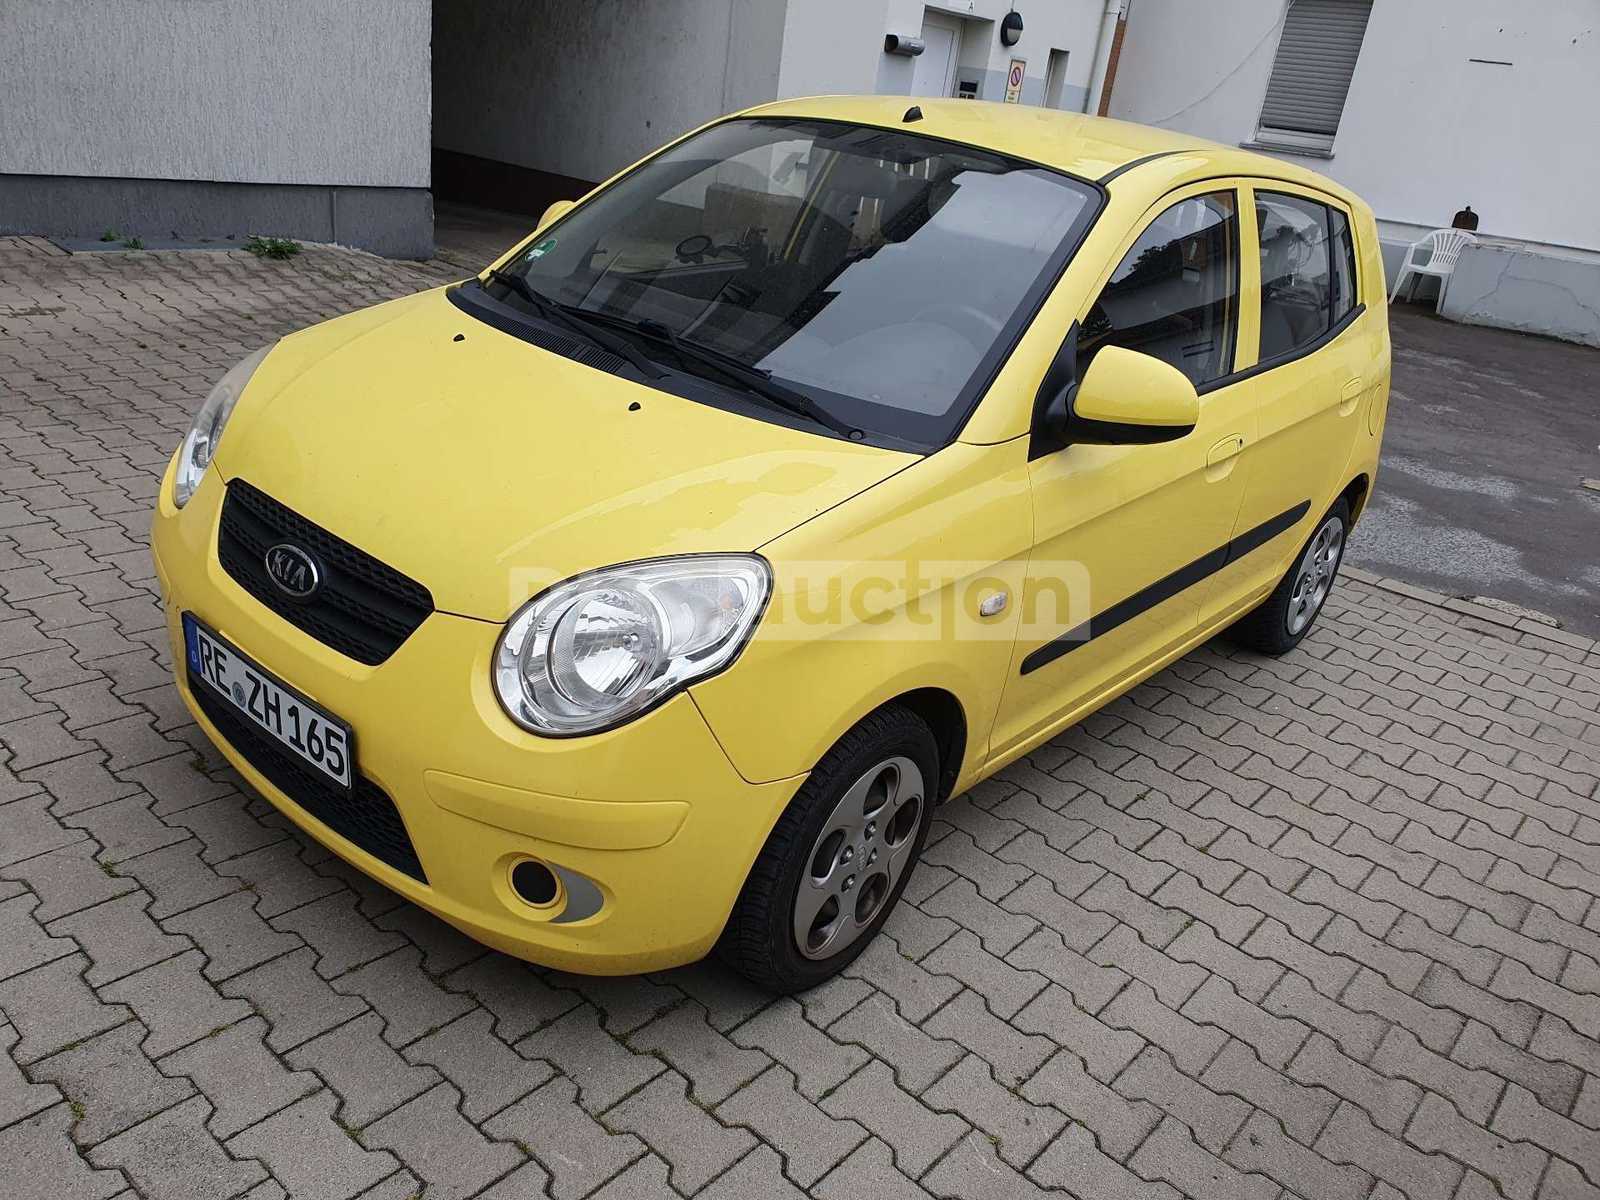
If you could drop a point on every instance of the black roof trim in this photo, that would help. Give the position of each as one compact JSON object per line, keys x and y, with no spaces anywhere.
{"x":1138,"y":162}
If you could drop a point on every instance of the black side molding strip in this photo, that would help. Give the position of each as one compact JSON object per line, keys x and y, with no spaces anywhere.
{"x":1165,"y":588}
{"x":1253,"y":539}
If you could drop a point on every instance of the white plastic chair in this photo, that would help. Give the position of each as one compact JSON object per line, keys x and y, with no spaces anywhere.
{"x":1444,"y":247}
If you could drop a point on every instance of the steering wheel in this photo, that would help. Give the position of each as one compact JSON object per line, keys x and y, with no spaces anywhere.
{"x":695,"y":248}
{"x":972,"y":323}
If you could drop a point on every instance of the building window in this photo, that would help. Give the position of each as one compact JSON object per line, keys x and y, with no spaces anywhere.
{"x":1055,"y":82}
{"x":1311,"y":74}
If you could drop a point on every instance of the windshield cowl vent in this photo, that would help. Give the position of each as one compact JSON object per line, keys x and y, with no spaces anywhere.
{"x":531,"y":329}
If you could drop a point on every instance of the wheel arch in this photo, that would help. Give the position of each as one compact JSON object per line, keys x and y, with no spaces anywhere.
{"x":1355,"y":495}
{"x":941,"y":711}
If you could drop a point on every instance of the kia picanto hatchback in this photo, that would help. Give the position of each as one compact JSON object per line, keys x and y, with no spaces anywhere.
{"x":645,"y":594}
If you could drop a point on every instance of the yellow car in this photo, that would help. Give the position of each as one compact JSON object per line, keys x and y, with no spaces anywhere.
{"x":643,"y":595}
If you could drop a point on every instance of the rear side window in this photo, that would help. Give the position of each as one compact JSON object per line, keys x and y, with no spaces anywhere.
{"x":1308,"y":271}
{"x":1175,"y":294}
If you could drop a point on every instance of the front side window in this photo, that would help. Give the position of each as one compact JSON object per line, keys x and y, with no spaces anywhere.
{"x":1175,"y":294}
{"x":1308,"y":271}
{"x":880,"y":273}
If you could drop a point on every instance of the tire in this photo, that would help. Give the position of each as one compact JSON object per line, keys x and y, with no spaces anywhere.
{"x":1282,"y":620}
{"x":853,"y":811}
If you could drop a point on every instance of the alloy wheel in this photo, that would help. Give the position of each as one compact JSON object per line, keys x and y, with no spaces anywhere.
{"x":858,"y":858}
{"x":1314,"y":576}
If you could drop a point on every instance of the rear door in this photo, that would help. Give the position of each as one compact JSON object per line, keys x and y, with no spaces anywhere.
{"x":1306,"y":384}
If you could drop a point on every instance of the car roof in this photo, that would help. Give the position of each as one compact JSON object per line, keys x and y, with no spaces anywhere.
{"x":1092,"y":148}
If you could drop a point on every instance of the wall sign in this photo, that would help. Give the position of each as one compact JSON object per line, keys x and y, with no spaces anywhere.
{"x":1019,"y":67}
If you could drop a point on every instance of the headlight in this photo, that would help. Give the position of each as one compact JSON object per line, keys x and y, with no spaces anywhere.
{"x":200,"y":443}
{"x":599,"y":649}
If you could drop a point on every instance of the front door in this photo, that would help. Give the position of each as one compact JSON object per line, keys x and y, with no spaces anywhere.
{"x":1126,"y":535}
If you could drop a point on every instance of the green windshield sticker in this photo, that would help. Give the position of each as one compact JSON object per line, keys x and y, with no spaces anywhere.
{"x":542,"y":248}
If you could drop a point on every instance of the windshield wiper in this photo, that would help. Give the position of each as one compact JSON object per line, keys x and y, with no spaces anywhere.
{"x":751,"y":379}
{"x":559,"y":314}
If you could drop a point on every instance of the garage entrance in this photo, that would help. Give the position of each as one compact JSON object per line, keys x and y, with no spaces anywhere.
{"x":492,"y":73}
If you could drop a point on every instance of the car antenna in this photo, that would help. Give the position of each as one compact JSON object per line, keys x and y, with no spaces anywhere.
{"x":914,"y":113}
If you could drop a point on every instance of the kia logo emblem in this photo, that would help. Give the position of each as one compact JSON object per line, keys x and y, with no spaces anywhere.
{"x":292,"y":571}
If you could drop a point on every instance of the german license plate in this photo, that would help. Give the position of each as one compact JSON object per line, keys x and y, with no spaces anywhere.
{"x":320,"y":740}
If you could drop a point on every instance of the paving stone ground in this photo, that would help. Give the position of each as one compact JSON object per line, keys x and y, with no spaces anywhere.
{"x":1325,"y":926}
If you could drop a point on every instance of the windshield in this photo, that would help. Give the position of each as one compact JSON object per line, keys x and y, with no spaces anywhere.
{"x":879,"y":274}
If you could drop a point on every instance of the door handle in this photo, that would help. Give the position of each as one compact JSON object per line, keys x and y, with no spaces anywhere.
{"x":1225,"y":449}
{"x":1350,"y":397}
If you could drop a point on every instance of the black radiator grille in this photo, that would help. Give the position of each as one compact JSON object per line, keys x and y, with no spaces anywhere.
{"x":364,"y":815}
{"x":363,"y":608}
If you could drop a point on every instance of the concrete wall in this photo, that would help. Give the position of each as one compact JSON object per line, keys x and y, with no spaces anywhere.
{"x":837,"y":45}
{"x":582,"y":88}
{"x":1510,"y":288}
{"x":211,"y":118}
{"x":236,"y":91}
{"x":1425,"y":129}
{"x":832,"y":47}
{"x":395,"y":222}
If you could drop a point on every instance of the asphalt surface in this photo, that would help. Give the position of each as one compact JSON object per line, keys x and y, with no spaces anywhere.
{"x":1480,"y":493}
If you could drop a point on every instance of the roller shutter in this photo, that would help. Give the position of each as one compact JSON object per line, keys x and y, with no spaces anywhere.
{"x":1316,"y":58}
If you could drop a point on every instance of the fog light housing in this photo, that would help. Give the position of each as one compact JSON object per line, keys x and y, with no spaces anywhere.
{"x":535,"y":884}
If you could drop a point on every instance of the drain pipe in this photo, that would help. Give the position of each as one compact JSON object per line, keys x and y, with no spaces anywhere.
{"x":1102,"y":55}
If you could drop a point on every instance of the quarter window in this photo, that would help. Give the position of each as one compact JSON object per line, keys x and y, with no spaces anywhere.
{"x":1308,"y":271}
{"x":1344,"y":264}
{"x":1175,"y":294}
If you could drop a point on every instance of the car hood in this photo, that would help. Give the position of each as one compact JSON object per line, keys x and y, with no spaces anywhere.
{"x":487,"y":468}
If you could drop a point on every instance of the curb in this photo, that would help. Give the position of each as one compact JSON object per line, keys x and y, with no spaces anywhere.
{"x":1480,"y":612}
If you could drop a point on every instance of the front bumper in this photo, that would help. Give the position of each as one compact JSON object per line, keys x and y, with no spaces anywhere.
{"x":649,"y":824}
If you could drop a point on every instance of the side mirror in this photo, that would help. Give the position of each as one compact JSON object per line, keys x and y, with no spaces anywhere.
{"x":1124,"y":399}
{"x":555,"y":212}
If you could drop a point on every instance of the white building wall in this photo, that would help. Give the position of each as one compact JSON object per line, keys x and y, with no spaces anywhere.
{"x":1425,"y":129}
{"x":832,"y":46}
{"x":621,"y":77}
{"x":584,"y":87}
{"x":232,"y":91}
